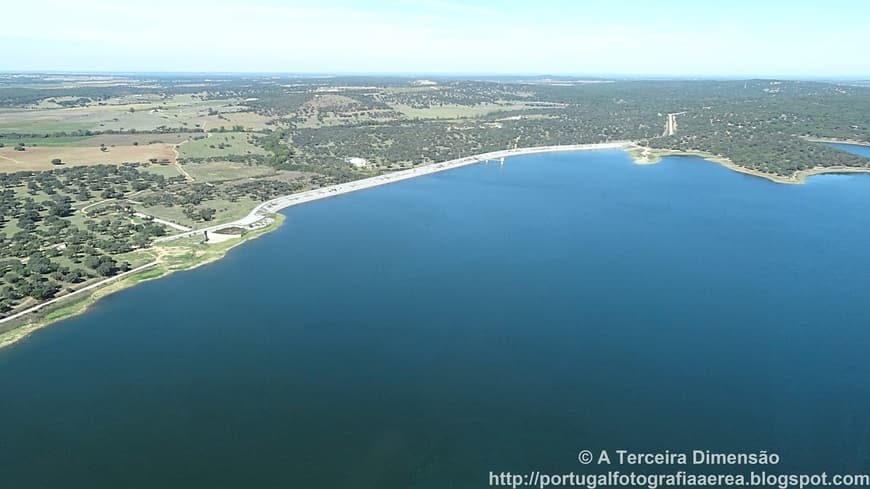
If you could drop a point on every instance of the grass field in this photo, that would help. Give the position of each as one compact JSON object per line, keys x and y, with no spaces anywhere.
{"x":330,"y":102}
{"x":123,"y":114}
{"x":235,"y":143}
{"x":226,"y":211}
{"x":107,"y":139}
{"x":168,"y":171}
{"x":217,"y":171}
{"x":141,"y":138}
{"x":146,"y":117}
{"x":248,"y":120}
{"x":13,"y":123}
{"x":44,"y":141}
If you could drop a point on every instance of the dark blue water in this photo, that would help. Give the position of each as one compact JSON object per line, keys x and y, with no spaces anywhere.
{"x":425,"y":333}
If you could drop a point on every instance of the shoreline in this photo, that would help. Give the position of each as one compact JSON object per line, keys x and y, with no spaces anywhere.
{"x":643,"y":155}
{"x":260,"y":220}
{"x":274,"y":205}
{"x":836,"y":141}
{"x":168,"y":260}
{"x":265,"y":218}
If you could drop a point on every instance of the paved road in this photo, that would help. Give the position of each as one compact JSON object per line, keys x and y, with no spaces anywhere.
{"x":171,"y":224}
{"x":671,"y":124}
{"x":79,"y":291}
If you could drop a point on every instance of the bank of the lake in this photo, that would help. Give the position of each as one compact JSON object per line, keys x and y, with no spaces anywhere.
{"x":490,"y":318}
{"x":860,"y":149}
{"x":169,"y":258}
{"x":260,"y":220}
{"x":847,"y":144}
{"x":647,"y":156}
{"x":641,"y":155}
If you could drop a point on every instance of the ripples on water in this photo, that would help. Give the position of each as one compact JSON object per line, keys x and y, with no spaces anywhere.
{"x":485,"y":319}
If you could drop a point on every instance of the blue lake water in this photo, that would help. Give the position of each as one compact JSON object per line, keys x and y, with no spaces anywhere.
{"x":852,"y":148}
{"x":490,"y":318}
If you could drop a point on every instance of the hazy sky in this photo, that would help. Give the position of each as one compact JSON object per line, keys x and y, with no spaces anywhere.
{"x":669,"y":37}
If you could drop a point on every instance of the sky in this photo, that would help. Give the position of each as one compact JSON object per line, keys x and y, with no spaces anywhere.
{"x":735,"y":38}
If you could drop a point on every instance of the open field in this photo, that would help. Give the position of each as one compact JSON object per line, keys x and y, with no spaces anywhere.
{"x":45,"y":141}
{"x":216,"y":171}
{"x":147,"y":118}
{"x":225,"y":211}
{"x":124,"y":114}
{"x":166,"y":170}
{"x":248,"y":120}
{"x":40,"y":158}
{"x":331,"y":109}
{"x":141,"y":138}
{"x":106,"y":139}
{"x":19,"y":122}
{"x":453,"y":111}
{"x":330,"y":101}
{"x":220,"y":144}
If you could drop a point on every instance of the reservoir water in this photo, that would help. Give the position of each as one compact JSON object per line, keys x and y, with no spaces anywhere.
{"x":857,"y":149}
{"x":489,"y":318}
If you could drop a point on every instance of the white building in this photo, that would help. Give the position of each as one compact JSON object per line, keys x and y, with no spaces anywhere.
{"x":357,"y":162}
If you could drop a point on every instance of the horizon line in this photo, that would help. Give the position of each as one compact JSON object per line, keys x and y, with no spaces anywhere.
{"x":413,"y":74}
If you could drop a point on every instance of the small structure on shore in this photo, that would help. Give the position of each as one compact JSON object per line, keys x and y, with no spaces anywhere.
{"x":223,"y":234}
{"x":356,"y":161}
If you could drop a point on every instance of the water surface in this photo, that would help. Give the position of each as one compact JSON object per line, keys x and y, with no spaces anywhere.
{"x":492,"y":317}
{"x":858,"y":149}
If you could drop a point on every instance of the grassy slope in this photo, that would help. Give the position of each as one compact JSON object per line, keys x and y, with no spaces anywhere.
{"x":222,"y":170}
{"x":236,"y":144}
